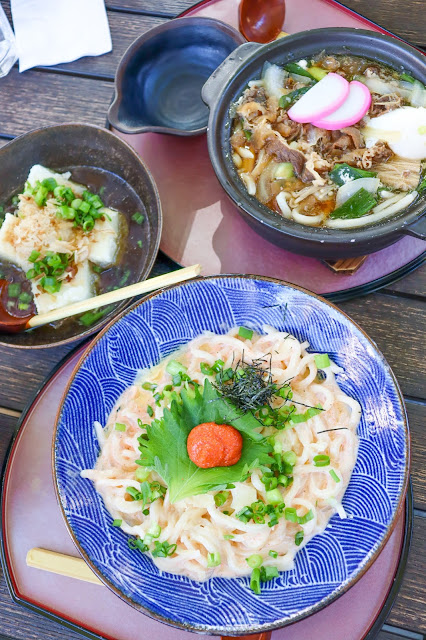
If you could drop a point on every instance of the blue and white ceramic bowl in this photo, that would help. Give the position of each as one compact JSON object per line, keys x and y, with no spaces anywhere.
{"x":331,"y":562}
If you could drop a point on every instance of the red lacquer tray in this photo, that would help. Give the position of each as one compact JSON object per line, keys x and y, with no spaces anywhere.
{"x":201,"y":225}
{"x":31,"y":518}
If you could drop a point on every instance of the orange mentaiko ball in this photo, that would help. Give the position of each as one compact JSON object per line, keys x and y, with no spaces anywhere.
{"x":214,"y":445}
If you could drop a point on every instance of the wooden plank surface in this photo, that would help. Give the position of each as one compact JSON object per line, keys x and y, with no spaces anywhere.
{"x":397,"y":325}
{"x":38,"y":98}
{"x":167,"y":8}
{"x":413,"y":284}
{"x":417,"y":421}
{"x":395,"y":16}
{"x":409,"y":609}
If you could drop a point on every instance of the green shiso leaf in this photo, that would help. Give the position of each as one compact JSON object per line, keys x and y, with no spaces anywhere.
{"x":165,"y":450}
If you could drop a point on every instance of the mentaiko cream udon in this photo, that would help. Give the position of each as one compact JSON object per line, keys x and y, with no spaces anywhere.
{"x":290,"y":433}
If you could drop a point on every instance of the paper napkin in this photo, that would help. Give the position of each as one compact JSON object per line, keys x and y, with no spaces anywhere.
{"x":50,"y":32}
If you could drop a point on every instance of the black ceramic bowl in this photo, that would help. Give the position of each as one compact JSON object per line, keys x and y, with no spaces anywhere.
{"x":159,"y":79}
{"x":226,"y":85}
{"x":100,"y":160}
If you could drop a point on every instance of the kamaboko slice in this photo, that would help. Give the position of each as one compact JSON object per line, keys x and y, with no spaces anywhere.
{"x":350,"y":112}
{"x":323,"y":98}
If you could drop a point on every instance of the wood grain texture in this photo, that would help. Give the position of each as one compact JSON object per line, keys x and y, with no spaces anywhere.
{"x":397,"y":326}
{"x":24,"y":370}
{"x":417,"y":421}
{"x":7,"y":428}
{"x":413,"y":284}
{"x":166,"y":8}
{"x":405,"y":20}
{"x":409,"y":609}
{"x":36,"y":99}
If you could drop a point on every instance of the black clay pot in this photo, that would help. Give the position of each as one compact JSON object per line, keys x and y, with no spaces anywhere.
{"x":227,"y":83}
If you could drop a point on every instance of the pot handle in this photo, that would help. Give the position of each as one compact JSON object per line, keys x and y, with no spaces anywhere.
{"x":417,"y":229}
{"x":213,"y":85}
{"x":266,"y":635}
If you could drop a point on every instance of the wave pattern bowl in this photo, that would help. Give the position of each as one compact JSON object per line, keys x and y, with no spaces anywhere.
{"x":331,"y":562}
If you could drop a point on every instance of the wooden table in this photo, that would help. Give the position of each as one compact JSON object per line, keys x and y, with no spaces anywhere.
{"x":394,"y":317}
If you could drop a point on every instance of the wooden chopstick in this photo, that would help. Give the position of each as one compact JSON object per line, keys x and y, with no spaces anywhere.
{"x":136,"y":289}
{"x":61,"y":564}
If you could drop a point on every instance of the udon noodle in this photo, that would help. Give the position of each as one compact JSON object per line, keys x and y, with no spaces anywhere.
{"x":197,"y":525}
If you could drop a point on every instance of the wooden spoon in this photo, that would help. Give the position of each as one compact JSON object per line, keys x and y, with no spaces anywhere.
{"x":14,"y":324}
{"x":261,"y":20}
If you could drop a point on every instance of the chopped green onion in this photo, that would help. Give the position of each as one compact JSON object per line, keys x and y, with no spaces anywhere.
{"x":163,"y":549}
{"x":290,"y":514}
{"x":76,"y":203}
{"x":206,"y":369}
{"x":255,"y":581}
{"x":155,"y":531}
{"x":14,"y":290}
{"x":23,"y":306}
{"x":306,"y":518}
{"x":84,"y":207}
{"x":139,"y":243}
{"x":322,"y":360}
{"x":298,"y":538}
{"x":33,"y":255}
{"x":41,"y":196}
{"x":138,"y":217}
{"x":247,"y":334}
{"x":268,"y":573}
{"x":228,"y":536}
{"x":270,"y":482}
{"x":142,"y":474}
{"x":174,"y":367}
{"x":220,"y":498}
{"x":150,"y":411}
{"x":254,"y":561}
{"x":90,"y":317}
{"x":117,"y":522}
{"x":274,"y":496}
{"x":290,"y":458}
{"x":133,"y":493}
{"x":283,"y":480}
{"x":321,"y":460}
{"x":119,"y":426}
{"x":213,"y":559}
{"x":248,"y":134}
{"x":273,"y":554}
{"x":334,"y":475}
{"x":407,"y":78}
{"x":149,"y":386}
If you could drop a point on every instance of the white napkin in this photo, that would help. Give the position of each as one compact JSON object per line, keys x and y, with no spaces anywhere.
{"x":50,"y":32}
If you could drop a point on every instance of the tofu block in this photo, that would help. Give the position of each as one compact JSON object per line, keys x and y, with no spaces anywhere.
{"x":104,"y":239}
{"x":80,"y":288}
{"x":38,"y":172}
{"x":7,"y":249}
